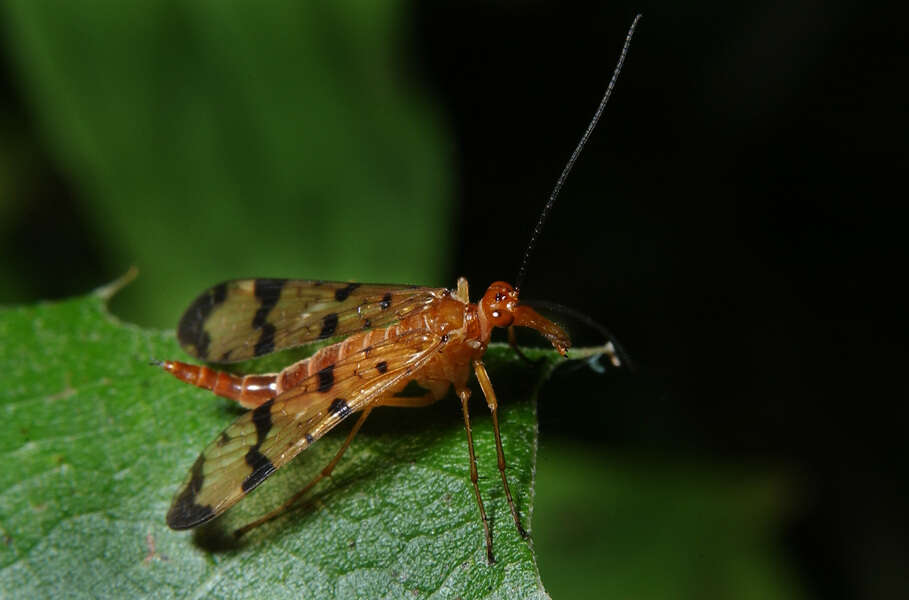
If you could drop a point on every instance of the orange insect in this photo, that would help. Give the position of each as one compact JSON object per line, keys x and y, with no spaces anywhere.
{"x":395,"y":335}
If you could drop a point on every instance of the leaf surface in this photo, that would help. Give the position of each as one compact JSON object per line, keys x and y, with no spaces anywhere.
{"x":95,"y":442}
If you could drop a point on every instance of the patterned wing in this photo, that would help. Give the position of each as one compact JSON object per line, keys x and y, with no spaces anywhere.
{"x":237,"y":320}
{"x":265,"y":438}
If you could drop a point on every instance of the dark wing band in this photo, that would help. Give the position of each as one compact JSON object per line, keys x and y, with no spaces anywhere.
{"x":245,"y":318}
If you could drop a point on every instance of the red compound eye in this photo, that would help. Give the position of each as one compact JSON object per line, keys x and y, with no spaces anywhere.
{"x":499,"y":303}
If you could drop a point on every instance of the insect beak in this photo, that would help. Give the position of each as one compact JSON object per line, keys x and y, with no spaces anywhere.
{"x":524,"y":316}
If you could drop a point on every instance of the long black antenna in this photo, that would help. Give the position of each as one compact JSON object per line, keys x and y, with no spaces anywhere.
{"x":574,"y":156}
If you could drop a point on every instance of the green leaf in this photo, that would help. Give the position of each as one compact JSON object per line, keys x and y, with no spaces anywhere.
{"x":95,"y":442}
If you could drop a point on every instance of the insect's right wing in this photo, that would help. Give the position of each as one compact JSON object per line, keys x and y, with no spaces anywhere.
{"x":240,"y":319}
{"x":265,"y":438}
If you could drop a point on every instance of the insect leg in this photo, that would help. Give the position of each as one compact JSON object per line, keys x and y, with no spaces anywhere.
{"x":409,"y":401}
{"x":486,"y":385}
{"x":248,"y":390}
{"x":437,"y":391}
{"x":464,"y":395}
{"x":325,"y":473}
{"x":513,"y":342}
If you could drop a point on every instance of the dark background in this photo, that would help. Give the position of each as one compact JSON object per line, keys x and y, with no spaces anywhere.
{"x":731,"y":223}
{"x":736,"y":221}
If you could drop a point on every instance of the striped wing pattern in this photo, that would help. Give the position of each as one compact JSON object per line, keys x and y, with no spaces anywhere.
{"x":264,"y":439}
{"x":240,"y":319}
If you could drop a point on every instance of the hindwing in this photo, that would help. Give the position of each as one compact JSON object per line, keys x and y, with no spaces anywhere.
{"x":264,"y":439}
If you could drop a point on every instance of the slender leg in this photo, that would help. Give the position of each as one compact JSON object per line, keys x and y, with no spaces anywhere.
{"x":409,"y":402}
{"x":513,"y":342}
{"x":436,"y":390}
{"x":464,"y":395}
{"x":325,"y":473}
{"x":248,"y":390}
{"x":486,"y":385}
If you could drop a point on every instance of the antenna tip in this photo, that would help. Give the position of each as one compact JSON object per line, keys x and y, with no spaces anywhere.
{"x":538,"y":228}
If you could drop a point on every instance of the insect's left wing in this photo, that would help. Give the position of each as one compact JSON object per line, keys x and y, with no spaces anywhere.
{"x":240,"y":319}
{"x":265,"y":438}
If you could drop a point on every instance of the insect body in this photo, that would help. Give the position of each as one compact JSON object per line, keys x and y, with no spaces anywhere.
{"x":396,"y":335}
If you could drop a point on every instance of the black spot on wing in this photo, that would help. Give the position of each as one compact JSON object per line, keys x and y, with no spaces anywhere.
{"x":261,"y":466}
{"x":261,"y":418}
{"x":326,"y":378}
{"x":266,"y":343}
{"x":268,"y":292}
{"x":382,"y":366}
{"x":191,"y":330}
{"x":184,"y":512}
{"x":341,"y":294}
{"x":386,"y":301}
{"x":309,"y":439}
{"x":200,"y":343}
{"x":219,"y":293}
{"x":329,"y":325}
{"x":339,"y":407}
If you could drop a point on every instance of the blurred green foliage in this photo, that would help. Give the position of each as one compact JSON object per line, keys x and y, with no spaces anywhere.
{"x":639,"y":527}
{"x":213,"y":140}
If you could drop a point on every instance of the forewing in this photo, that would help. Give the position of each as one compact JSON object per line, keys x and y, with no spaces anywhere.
{"x":265,"y":438}
{"x":240,"y":319}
